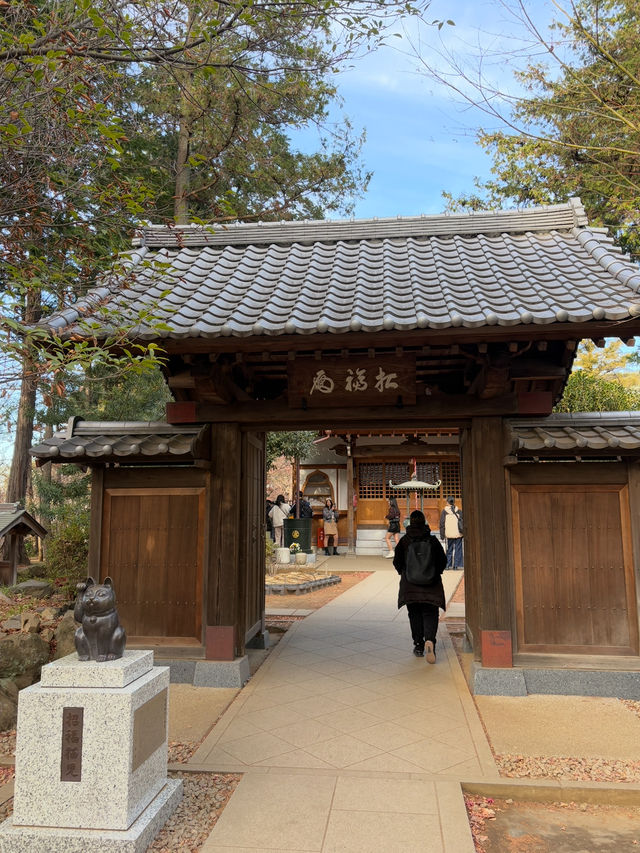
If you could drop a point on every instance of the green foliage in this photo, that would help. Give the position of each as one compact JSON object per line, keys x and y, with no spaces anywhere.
{"x":291,"y":445}
{"x":588,"y":392}
{"x":576,"y":131}
{"x":57,"y":498}
{"x":269,"y":551}
{"x":68,"y":546}
{"x":605,"y":361}
{"x":97,"y":395}
{"x":109,"y":113}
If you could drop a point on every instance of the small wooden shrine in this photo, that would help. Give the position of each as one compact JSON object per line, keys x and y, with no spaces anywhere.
{"x":15,"y":524}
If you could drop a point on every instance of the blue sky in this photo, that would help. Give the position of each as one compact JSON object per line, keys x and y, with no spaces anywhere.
{"x":420,"y":138}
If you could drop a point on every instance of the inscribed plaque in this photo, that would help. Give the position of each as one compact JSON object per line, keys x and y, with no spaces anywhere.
{"x":384,"y":380}
{"x":71,"y":758}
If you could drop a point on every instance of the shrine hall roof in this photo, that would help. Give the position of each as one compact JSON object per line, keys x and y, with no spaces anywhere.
{"x":507,"y":268}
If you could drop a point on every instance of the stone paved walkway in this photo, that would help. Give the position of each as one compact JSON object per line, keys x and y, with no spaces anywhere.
{"x":347,"y":742}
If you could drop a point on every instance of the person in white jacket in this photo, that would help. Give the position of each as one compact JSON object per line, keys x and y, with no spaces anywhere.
{"x":279,"y":511}
{"x":451,"y":530}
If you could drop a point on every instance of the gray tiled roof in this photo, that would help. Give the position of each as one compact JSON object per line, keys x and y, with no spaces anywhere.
{"x":14,"y":517}
{"x":112,"y":441}
{"x":507,"y":268}
{"x":601,"y":431}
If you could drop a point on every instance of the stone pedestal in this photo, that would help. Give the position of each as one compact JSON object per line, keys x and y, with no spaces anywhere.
{"x":91,"y":758}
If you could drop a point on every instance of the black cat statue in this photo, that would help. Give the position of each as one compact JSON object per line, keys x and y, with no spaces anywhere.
{"x":100,"y":636}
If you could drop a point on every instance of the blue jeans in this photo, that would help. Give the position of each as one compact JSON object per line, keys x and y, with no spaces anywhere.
{"x":454,"y":553}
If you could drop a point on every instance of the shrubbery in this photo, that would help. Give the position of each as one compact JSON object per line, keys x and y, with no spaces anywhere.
{"x":68,"y":547}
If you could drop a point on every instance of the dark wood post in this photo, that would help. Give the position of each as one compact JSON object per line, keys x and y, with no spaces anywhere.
{"x":221,"y":636}
{"x":14,"y":548}
{"x":351,"y":547}
{"x":488,"y":569}
{"x":95,"y":529}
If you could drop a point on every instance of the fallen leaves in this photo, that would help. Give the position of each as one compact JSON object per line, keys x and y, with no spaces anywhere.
{"x":566,"y":767}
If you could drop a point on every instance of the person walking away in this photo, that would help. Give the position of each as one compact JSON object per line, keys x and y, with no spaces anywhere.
{"x":279,"y":511}
{"x":420,"y":560}
{"x":451,"y":530}
{"x":330,"y":522}
{"x":393,"y":529}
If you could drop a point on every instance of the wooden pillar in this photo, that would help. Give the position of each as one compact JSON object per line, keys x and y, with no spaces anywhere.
{"x":351,"y":539}
{"x":633,"y":473}
{"x":251,"y":589}
{"x":222,"y":587}
{"x":95,"y":528}
{"x":14,"y":543}
{"x":488,"y":564}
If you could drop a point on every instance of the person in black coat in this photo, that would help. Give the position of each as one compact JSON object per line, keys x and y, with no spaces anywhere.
{"x":423,"y":602}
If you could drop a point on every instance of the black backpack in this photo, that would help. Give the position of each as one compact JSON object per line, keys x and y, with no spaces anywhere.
{"x":420,"y":568}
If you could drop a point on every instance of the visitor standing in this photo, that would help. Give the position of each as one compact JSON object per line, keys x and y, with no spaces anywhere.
{"x":279,"y":511}
{"x":330,"y":522}
{"x":451,"y":530}
{"x":393,"y":528}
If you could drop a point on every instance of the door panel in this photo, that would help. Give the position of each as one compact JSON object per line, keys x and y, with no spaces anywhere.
{"x":152,"y":547}
{"x":575,"y":588}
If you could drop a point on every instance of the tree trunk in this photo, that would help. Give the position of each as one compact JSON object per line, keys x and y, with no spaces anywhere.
{"x":21,"y":462}
{"x":183,"y":170}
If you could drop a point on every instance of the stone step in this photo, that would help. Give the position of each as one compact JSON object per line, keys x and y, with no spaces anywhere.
{"x":375,"y":534}
{"x":370,"y":551}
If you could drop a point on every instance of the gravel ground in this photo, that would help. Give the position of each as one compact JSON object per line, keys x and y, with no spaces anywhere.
{"x":8,"y":742}
{"x":204,"y":797}
{"x":563,"y":767}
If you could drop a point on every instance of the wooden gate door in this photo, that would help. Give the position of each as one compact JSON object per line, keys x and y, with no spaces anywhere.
{"x":152,"y":547}
{"x":575,"y":590}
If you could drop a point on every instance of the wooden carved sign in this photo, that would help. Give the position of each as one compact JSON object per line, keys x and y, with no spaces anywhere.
{"x":384,"y":380}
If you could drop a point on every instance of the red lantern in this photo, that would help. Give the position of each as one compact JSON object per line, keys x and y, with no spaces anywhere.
{"x":320,"y":536}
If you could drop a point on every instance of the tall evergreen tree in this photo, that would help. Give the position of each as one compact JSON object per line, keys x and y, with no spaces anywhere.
{"x":83,"y":160}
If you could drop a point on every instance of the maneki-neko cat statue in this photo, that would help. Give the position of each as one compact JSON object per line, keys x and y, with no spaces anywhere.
{"x":100,"y":636}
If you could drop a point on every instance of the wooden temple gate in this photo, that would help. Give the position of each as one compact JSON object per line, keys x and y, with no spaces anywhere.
{"x":460,"y":323}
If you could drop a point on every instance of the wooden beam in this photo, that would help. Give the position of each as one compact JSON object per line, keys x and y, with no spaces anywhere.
{"x":400,"y":451}
{"x":182,"y":380}
{"x":275,"y":414}
{"x":407,"y":339}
